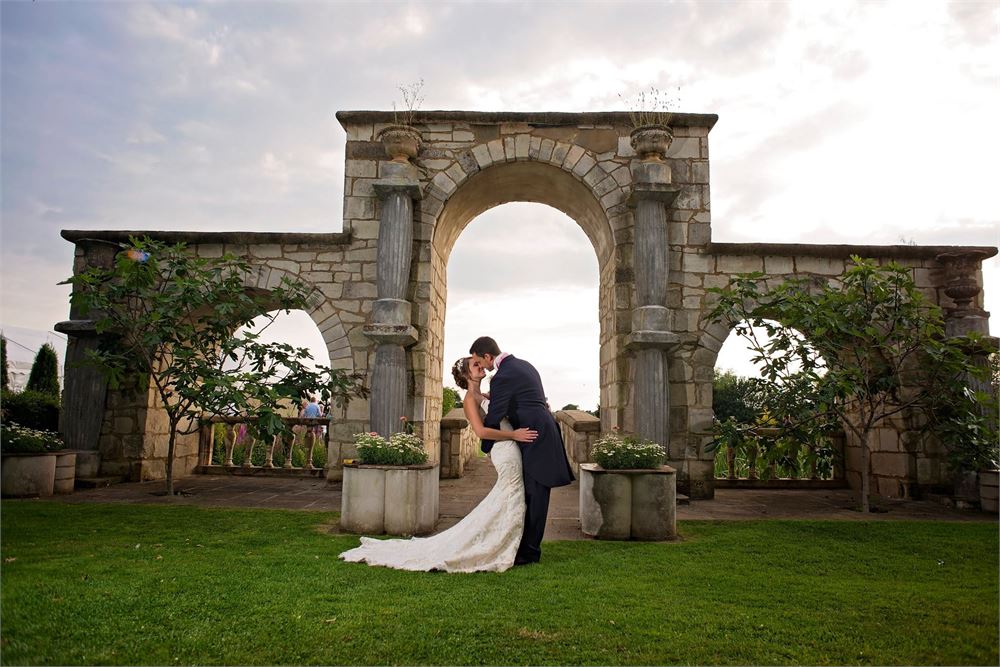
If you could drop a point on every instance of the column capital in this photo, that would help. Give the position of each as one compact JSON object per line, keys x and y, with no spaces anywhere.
{"x":661,"y":192}
{"x":77,"y":327}
{"x":644,"y":340}
{"x":404,"y":335}
{"x":401,"y":177}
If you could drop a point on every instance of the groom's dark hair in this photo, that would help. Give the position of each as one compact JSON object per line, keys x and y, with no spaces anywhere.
{"x":484,"y":345}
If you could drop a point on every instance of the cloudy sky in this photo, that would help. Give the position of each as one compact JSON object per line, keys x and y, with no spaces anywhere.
{"x":839,"y":122}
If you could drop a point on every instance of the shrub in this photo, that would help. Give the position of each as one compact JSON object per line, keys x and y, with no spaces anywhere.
{"x":32,"y":409}
{"x":617,"y":452}
{"x":5,"y":377}
{"x":401,"y":449}
{"x":44,"y":377}
{"x":19,"y":439}
{"x":449,"y":399}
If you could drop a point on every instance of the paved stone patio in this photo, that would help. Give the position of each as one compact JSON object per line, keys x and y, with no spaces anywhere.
{"x":459,"y":496}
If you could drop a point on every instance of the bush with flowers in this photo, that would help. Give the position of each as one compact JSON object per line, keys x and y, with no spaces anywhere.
{"x":401,"y":449}
{"x":615,"y":451}
{"x":16,"y":439}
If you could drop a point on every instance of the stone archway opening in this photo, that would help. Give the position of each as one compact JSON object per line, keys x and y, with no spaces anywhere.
{"x":536,"y":183}
{"x":736,"y":399}
{"x":538,"y":300}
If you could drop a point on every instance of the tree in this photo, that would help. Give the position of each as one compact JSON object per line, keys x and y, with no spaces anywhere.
{"x":185,"y":326}
{"x":4,"y":370}
{"x":449,"y":399}
{"x":570,"y":406}
{"x":44,"y":376}
{"x":735,"y":396}
{"x":876,"y":350}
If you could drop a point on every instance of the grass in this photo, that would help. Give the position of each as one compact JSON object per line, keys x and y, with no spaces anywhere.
{"x":128,"y":584}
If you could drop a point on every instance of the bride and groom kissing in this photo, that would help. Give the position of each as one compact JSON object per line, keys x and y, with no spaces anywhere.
{"x":523,"y":441}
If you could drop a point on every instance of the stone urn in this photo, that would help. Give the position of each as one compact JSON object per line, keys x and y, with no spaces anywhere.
{"x":399,"y":500}
{"x":989,"y":490}
{"x":401,"y":142}
{"x":651,"y":142}
{"x":28,"y":474}
{"x":638,"y":504}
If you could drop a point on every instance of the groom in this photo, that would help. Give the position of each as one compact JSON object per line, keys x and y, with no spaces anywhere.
{"x":516,"y":393}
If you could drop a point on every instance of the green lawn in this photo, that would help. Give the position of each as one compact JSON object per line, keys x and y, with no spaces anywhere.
{"x":149,"y":584}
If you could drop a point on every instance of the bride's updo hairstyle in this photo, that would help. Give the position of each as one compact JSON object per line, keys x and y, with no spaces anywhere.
{"x":460,"y":371}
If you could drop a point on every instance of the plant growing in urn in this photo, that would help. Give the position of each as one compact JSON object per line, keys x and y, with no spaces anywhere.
{"x":401,"y":140}
{"x":628,"y":493}
{"x":650,"y":114}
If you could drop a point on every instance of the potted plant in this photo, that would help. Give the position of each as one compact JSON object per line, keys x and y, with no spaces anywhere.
{"x":401,"y":140}
{"x":650,"y":115}
{"x":628,"y":493}
{"x":391,"y":488}
{"x":30,"y":458}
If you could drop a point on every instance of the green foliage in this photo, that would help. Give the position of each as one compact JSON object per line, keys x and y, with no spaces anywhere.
{"x":44,"y":375}
{"x":31,"y":409}
{"x":614,"y":451}
{"x":449,"y":399}
{"x":736,"y":397}
{"x":4,"y":369}
{"x":570,"y":406}
{"x":172,"y":317}
{"x":873,"y":348}
{"x":401,"y":449}
{"x":132,"y":584}
{"x":18,"y":439}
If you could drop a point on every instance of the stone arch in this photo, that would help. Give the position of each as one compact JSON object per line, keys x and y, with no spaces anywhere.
{"x":321,"y":311}
{"x":548,"y":182}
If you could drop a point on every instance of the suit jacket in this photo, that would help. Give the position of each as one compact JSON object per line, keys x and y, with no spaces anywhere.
{"x":516,"y":393}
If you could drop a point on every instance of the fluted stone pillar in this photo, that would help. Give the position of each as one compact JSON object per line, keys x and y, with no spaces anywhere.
{"x":390,"y":326}
{"x":651,"y":338}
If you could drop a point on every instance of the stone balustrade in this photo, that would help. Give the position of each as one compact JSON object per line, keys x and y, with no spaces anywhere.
{"x":580,"y":430}
{"x":235,"y":436}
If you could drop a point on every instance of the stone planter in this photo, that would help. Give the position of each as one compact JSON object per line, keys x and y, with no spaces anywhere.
{"x":399,"y":500}
{"x":651,"y":141}
{"x":65,"y":477}
{"x":28,"y":474}
{"x":628,"y":504}
{"x":989,"y":481}
{"x":401,"y":142}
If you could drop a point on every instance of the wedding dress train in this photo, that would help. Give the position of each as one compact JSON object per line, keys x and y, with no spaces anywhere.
{"x":485,"y":540}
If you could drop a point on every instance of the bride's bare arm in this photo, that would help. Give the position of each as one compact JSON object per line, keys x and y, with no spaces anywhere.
{"x":476,"y":422}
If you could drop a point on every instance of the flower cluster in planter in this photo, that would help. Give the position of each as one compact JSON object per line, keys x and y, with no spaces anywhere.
{"x":615,"y":451}
{"x":400,"y":449}
{"x":15,"y":439}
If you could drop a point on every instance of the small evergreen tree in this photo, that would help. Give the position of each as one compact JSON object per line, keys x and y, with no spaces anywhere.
{"x":44,"y":377}
{"x":4,"y":378}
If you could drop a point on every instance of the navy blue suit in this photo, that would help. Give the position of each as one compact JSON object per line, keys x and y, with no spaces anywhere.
{"x":516,"y":393}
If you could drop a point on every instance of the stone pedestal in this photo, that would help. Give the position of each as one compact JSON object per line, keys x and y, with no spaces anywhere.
{"x":28,"y":474}
{"x":399,"y":500}
{"x":989,"y":481}
{"x":628,"y":504}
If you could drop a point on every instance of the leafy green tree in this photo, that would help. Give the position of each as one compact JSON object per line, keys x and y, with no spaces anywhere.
{"x":449,"y":399}
{"x":44,"y":376}
{"x":570,"y":406}
{"x":736,"y":397}
{"x":4,"y":369}
{"x":185,"y":325}
{"x":876,"y":349}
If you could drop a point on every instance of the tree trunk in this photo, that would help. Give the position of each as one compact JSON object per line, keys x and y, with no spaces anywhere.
{"x":866,"y":455}
{"x":170,"y":460}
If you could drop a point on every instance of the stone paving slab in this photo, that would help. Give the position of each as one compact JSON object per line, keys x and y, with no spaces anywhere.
{"x":459,"y":496}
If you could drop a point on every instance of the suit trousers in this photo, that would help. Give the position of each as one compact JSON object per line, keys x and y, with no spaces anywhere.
{"x":536,"y":497}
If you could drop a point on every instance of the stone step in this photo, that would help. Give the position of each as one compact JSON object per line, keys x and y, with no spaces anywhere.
{"x":96,"y":482}
{"x":682,"y":499}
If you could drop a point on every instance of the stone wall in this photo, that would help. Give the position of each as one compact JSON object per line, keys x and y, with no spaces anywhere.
{"x":580,"y":430}
{"x":581,"y":164}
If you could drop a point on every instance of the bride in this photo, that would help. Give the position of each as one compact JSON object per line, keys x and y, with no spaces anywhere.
{"x":488,"y":537}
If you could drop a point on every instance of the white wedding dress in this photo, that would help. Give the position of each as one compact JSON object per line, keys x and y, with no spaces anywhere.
{"x":485,"y":540}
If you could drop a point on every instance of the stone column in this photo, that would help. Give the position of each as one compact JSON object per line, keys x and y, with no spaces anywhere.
{"x":390,"y":326}
{"x":651,"y":338}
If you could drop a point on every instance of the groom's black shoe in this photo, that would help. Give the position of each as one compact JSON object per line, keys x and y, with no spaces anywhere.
{"x":524,"y":561}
